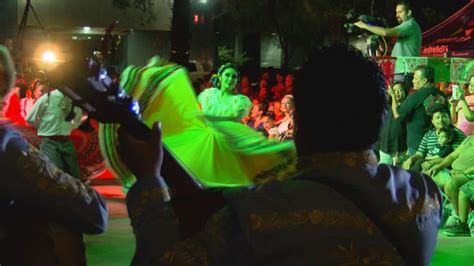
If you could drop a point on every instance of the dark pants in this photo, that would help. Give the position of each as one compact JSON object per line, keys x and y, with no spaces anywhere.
{"x":31,"y":238}
{"x":62,"y":154}
{"x":68,"y":246}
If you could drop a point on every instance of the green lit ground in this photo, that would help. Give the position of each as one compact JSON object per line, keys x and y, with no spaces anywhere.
{"x":116,"y":246}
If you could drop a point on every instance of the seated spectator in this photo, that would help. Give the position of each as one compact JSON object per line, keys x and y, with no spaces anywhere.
{"x":445,"y":139}
{"x":263,"y":92}
{"x":268,"y":121}
{"x":465,"y":201}
{"x":289,"y":81}
{"x":340,"y":209}
{"x":429,"y":145}
{"x":462,"y":110}
{"x":256,"y":115}
{"x":275,"y":107}
{"x":286,"y":124}
{"x":279,"y":89}
{"x":461,"y":162}
{"x":246,"y":88}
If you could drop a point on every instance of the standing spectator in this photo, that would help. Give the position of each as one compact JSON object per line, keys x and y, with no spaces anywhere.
{"x":256,"y":116}
{"x":413,"y":108}
{"x":392,"y":140}
{"x":54,"y":116}
{"x":462,"y":110}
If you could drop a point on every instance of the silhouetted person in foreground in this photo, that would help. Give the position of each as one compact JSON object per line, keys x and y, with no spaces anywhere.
{"x":44,"y":210}
{"x":339,"y":208}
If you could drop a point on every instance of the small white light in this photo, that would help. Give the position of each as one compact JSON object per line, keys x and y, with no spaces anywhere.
{"x":74,"y":37}
{"x":89,"y":37}
{"x":203,"y":1}
{"x":49,"y":56}
{"x":86,"y":28}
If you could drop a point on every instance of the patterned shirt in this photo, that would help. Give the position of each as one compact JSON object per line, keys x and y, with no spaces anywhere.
{"x":301,"y":221}
{"x":30,"y":178}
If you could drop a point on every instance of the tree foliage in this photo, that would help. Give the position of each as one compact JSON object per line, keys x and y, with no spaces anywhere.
{"x":299,"y":25}
{"x":226,"y":55}
{"x":144,"y":6}
{"x":302,"y":24}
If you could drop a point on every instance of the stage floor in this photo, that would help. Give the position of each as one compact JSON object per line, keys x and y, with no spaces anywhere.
{"x":116,"y":246}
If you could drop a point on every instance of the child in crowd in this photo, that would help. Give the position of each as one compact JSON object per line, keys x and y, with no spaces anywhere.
{"x":268,"y":121}
{"x":445,"y":138}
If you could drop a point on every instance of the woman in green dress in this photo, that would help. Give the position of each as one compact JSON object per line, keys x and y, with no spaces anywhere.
{"x":204,"y":134}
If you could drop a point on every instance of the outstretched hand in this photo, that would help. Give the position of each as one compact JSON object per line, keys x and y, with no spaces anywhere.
{"x":143,"y":157}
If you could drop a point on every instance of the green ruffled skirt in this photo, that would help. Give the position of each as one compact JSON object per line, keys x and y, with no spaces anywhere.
{"x":216,"y":154}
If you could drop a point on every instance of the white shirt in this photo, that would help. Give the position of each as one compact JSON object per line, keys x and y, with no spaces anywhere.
{"x":48,"y":115}
{"x":25,"y":106}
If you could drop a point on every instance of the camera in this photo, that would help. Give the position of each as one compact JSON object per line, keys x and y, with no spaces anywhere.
{"x":351,"y":28}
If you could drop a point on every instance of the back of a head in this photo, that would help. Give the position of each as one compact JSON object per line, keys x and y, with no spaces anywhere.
{"x":7,"y":71}
{"x":435,"y":107}
{"x":340,"y":101}
{"x":427,"y":72}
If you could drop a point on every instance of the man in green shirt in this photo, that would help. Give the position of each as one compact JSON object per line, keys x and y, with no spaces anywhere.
{"x":408,"y":33}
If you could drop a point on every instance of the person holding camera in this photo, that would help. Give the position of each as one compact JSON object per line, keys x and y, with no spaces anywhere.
{"x":408,"y":33}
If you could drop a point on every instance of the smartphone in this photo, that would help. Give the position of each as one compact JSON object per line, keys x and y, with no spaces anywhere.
{"x":456,"y":92}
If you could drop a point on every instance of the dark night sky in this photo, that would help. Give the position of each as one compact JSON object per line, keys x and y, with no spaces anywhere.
{"x":445,"y":7}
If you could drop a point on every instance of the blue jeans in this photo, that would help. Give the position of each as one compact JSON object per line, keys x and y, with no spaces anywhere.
{"x":411,"y":151}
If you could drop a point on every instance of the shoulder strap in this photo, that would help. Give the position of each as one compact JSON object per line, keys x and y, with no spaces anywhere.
{"x":334,"y":185}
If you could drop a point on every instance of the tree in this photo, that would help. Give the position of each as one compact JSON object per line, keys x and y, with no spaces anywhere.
{"x":180,"y":32}
{"x":299,"y":25}
{"x":145,"y":6}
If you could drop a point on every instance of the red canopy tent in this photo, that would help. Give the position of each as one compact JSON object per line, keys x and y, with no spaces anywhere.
{"x":453,"y":37}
